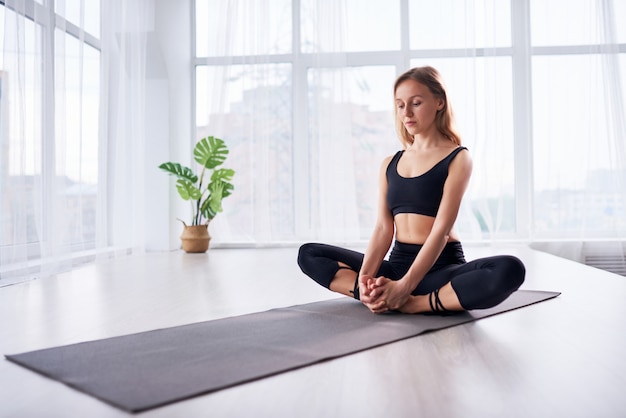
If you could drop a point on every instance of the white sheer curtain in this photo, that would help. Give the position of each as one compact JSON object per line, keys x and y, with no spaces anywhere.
{"x":540,"y":109}
{"x":475,"y":59}
{"x":330,"y":123}
{"x":338,"y":79}
{"x":71,"y":132}
{"x":301,"y":92}
{"x":20,"y":130}
{"x":123,"y":139}
{"x":579,"y":133}
{"x":296,"y":125}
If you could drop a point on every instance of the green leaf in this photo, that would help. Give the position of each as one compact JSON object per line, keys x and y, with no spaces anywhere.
{"x":221,"y":178}
{"x":210,"y":152}
{"x":213,"y":203}
{"x":222,"y":174}
{"x":179,"y":171}
{"x":215,"y":198}
{"x":209,"y":209}
{"x":227,"y":190}
{"x":187,"y":190}
{"x":206,"y":211}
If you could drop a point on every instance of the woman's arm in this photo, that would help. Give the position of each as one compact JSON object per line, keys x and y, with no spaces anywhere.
{"x":395,"y":294}
{"x":381,"y":238}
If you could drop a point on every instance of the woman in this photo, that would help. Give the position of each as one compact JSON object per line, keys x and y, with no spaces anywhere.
{"x":421,"y":188}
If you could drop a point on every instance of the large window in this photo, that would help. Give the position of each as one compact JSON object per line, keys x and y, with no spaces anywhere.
{"x":301,"y":91}
{"x":49,"y":125}
{"x":578,"y":91}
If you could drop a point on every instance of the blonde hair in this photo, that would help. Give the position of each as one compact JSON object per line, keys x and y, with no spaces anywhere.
{"x":444,"y":120}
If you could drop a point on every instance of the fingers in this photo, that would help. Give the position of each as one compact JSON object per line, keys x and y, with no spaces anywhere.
{"x":373,"y":293}
{"x":380,"y":281}
{"x":378,"y":307}
{"x":364,"y":283}
{"x":378,"y":286}
{"x":384,"y":295}
{"x":366,"y":287}
{"x":374,"y":303}
{"x":377,"y":302}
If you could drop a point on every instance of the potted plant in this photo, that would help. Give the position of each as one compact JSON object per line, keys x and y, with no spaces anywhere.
{"x":205,"y":192}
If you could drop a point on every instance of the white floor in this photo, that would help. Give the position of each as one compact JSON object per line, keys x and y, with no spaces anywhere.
{"x":562,"y":358}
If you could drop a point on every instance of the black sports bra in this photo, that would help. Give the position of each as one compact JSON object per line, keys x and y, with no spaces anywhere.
{"x":421,"y":194}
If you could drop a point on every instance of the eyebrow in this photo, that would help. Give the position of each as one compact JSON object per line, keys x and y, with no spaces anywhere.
{"x":412,"y":97}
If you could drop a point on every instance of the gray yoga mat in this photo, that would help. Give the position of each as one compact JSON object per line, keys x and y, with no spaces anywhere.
{"x":154,"y":368}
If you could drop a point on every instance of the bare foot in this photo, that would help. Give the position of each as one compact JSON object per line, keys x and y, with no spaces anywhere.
{"x":421,"y":303}
{"x":415,"y":304}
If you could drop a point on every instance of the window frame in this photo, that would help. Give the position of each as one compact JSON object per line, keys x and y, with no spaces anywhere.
{"x":48,"y":22}
{"x":521,"y":53}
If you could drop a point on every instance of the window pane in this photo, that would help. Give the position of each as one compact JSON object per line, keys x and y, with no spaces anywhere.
{"x":20,"y":131}
{"x":619,"y":11}
{"x":580,"y":22}
{"x":350,"y":25}
{"x":350,"y":119}
{"x":249,"y":106}
{"x":77,"y":81}
{"x":267,"y":26}
{"x":481,"y":93}
{"x":70,"y":10}
{"x":2,"y":38}
{"x":574,"y":158}
{"x":459,"y":24}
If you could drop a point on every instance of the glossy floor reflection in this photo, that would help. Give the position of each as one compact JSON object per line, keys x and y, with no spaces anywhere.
{"x":563,"y":357}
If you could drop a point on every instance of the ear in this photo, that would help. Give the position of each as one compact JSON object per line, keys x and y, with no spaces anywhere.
{"x":440,"y":104}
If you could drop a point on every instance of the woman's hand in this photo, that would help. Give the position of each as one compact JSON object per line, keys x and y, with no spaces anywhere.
{"x":366,"y":284}
{"x":383,"y":294}
{"x":368,"y":293}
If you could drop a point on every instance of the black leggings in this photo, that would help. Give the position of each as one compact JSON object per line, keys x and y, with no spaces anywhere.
{"x":479,"y":284}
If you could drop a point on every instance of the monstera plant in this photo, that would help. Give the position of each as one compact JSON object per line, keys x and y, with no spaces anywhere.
{"x":204,"y":190}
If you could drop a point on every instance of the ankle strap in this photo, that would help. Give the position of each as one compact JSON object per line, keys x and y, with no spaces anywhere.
{"x":437,"y":306}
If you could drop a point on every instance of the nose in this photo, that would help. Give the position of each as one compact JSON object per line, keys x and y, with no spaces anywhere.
{"x":406,"y":111}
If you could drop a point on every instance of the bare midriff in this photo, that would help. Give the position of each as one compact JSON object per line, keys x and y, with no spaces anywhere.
{"x":412,"y":228}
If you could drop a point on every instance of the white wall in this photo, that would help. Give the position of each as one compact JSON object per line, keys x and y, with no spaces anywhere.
{"x":169,"y":135}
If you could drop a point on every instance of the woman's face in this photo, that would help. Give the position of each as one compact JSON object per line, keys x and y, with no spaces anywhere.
{"x":416,"y":107}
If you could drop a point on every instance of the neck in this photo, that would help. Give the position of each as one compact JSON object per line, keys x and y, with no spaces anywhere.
{"x":433,"y":140}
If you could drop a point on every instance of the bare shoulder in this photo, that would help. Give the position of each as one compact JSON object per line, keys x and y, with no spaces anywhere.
{"x":462,"y":162}
{"x":387,"y":160}
{"x":385,"y":163}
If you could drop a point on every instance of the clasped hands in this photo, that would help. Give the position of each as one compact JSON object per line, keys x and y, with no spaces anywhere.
{"x":382,"y":294}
